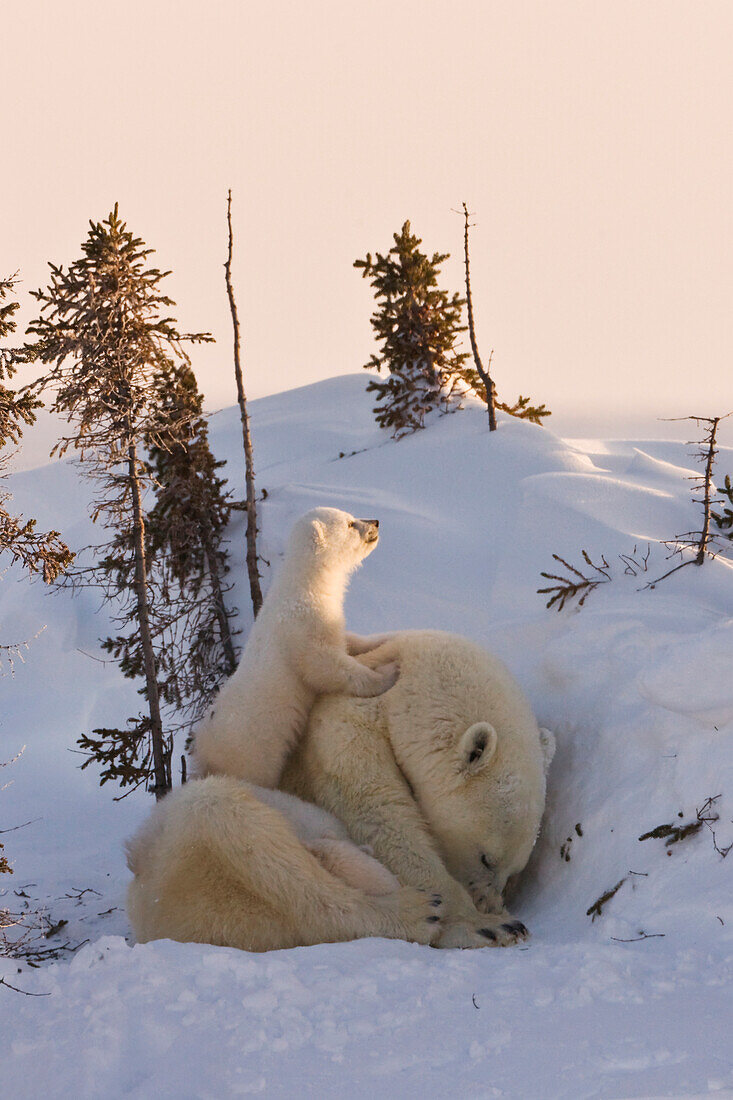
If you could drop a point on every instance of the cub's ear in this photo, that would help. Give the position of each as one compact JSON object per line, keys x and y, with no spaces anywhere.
{"x":547,"y":742}
{"x":476,"y":748}
{"x":319,"y":534}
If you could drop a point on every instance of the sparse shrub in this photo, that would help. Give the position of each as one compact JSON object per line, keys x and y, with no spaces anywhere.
{"x":417,"y":325}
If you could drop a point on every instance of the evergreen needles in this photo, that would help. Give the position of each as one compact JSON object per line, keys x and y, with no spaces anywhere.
{"x":417,"y":325}
{"x":576,"y":584}
{"x":39,"y":552}
{"x":118,"y":373}
{"x":724,"y":520}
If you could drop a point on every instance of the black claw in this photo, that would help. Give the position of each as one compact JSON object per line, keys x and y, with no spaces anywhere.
{"x":487,"y":933}
{"x":516,"y":928}
{"x":436,"y":900}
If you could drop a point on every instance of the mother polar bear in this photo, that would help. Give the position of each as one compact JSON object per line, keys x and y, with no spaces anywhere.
{"x":442,"y":777}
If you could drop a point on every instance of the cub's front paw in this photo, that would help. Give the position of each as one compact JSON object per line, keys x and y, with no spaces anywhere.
{"x":389,"y":674}
{"x":377,"y":681}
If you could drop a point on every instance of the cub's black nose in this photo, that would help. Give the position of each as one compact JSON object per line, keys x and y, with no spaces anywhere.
{"x":375,"y":522}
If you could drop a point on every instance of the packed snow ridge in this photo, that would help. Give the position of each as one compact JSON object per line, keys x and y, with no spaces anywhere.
{"x":637,"y":686}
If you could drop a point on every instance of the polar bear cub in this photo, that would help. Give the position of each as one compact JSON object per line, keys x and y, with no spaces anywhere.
{"x":221,"y":861}
{"x":297,"y":649}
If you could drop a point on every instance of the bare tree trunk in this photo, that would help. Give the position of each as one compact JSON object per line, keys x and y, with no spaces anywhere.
{"x":713,"y":422}
{"x":161,"y":759}
{"x":704,"y":482}
{"x":220,"y":608}
{"x":252,"y":570}
{"x":483,"y":373}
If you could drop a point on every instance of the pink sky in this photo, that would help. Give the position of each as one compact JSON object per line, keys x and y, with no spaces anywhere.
{"x":594,"y":140}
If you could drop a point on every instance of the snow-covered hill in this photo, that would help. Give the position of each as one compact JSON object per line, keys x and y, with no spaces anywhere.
{"x":638,"y":687}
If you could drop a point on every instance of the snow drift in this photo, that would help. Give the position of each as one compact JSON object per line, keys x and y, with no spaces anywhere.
{"x":638,"y":688}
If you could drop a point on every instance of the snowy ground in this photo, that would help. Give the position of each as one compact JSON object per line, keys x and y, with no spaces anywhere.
{"x":638,"y":687}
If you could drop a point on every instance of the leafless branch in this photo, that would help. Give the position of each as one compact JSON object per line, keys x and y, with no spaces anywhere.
{"x":251,"y":536}
{"x":568,"y":587}
{"x":484,"y":372}
{"x":698,"y":542}
{"x":641,"y":936}
{"x":25,"y":992}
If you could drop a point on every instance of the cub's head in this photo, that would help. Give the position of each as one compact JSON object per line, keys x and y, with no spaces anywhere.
{"x":334,"y":537}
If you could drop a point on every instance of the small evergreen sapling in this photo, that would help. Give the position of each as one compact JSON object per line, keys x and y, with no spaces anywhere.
{"x":35,"y":551}
{"x":186,"y":569}
{"x":17,"y":409}
{"x":106,"y":336}
{"x":699,"y":541}
{"x":417,"y":325}
{"x":186,"y":528}
{"x":19,"y":541}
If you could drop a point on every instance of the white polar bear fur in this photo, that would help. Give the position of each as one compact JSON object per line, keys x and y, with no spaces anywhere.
{"x":221,"y":861}
{"x":296,"y":650}
{"x":443,"y":776}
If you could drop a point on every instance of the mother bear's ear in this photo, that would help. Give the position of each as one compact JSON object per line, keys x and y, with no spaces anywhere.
{"x":476,"y":747}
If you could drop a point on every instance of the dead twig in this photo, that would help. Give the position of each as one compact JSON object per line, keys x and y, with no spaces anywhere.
{"x":483,"y":372}
{"x":635,"y":565}
{"x":56,"y":928}
{"x":708,"y":819}
{"x":568,"y":587}
{"x":23,"y":991}
{"x":23,"y":826}
{"x":596,"y":908}
{"x":641,"y":936}
{"x":251,"y":534}
{"x":78,"y":893}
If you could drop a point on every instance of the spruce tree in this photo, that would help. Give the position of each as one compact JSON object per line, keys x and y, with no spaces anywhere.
{"x":185,"y":529}
{"x":417,"y":325}
{"x":17,"y":410}
{"x":36,"y":552}
{"x":106,"y":336}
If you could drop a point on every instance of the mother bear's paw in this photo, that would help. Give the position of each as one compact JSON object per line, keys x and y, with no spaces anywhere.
{"x":487,"y":899}
{"x":417,"y":914}
{"x":496,"y":930}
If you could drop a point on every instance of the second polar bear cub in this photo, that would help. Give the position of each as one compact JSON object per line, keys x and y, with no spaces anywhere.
{"x":297,"y":649}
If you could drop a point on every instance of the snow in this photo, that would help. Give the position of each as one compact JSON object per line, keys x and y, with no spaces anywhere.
{"x":637,"y":686}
